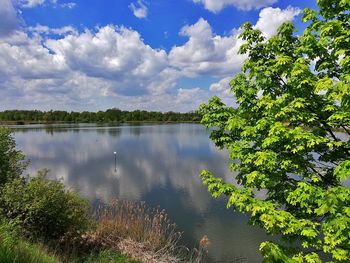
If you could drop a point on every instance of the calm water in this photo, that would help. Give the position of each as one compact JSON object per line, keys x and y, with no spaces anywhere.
{"x":158,"y":164}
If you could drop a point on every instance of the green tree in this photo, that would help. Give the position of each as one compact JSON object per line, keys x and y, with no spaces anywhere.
{"x":293,"y":98}
{"x":12,"y":162}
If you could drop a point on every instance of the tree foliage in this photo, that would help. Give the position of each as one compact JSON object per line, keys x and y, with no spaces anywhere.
{"x":293,"y":98}
{"x":110,"y":115}
{"x":12,"y":162}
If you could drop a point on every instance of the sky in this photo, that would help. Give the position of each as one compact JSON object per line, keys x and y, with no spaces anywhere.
{"x":159,"y":55}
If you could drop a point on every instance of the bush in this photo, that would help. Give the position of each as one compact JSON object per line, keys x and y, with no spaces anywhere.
{"x":43,"y":208}
{"x":12,"y":162}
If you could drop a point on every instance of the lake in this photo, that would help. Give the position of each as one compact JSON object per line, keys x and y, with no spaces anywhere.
{"x":158,"y":164}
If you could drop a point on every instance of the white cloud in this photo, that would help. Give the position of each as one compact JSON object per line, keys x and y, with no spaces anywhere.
{"x":30,"y":3}
{"x":40,"y":29}
{"x":113,"y":66}
{"x":90,"y":69}
{"x":191,"y":97}
{"x":26,"y":58}
{"x":139,"y":9}
{"x":206,"y":53}
{"x":221,"y":86}
{"x":222,"y":89}
{"x":114,"y":54}
{"x":271,"y":18}
{"x":69,"y":5}
{"x":35,"y":3}
{"x":9,"y":21}
{"x":217,"y":5}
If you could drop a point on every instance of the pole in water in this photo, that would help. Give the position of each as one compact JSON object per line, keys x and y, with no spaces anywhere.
{"x":115,"y":161}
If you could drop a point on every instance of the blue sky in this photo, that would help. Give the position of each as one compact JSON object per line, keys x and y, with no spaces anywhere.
{"x":145,"y":54}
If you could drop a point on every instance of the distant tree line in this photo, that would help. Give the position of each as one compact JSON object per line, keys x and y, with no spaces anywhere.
{"x":110,"y":115}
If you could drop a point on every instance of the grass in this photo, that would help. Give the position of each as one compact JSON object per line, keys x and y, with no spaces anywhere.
{"x":138,"y":222}
{"x":15,"y":250}
{"x":124,"y":232}
{"x":107,"y":256}
{"x":25,"y":252}
{"x":143,"y":233}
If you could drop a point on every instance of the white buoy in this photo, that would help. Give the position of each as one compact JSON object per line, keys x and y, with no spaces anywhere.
{"x":115,"y":161}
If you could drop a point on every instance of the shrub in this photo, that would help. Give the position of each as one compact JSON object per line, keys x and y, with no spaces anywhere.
{"x":12,"y":161}
{"x":43,"y":208}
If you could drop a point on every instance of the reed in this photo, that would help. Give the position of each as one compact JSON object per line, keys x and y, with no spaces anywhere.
{"x":136,"y":221}
{"x":144,"y":233}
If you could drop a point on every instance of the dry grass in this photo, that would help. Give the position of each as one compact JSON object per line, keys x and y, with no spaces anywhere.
{"x":141,"y":252}
{"x":198,"y":255}
{"x":133,"y":227}
{"x":143,"y":233}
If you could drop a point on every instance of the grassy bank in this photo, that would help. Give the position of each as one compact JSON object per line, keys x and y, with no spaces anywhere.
{"x":122,"y":231}
{"x":14,"y":249}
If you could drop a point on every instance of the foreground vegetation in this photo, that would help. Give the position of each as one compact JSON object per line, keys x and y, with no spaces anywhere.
{"x":293,"y":94}
{"x":110,"y":115}
{"x":41,"y":221}
{"x":15,"y":249}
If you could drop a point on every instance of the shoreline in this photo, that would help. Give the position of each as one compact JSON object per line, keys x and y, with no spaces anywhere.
{"x":99,"y":123}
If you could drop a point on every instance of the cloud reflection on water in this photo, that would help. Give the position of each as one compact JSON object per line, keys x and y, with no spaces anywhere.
{"x":159,"y":164}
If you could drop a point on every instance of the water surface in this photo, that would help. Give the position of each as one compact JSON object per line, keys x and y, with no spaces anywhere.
{"x":158,"y":164}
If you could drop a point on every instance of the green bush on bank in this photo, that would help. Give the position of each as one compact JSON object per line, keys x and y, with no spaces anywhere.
{"x":43,"y":209}
{"x":12,"y":162}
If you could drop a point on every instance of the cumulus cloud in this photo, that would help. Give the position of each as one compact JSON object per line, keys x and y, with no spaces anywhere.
{"x":9,"y":20}
{"x":269,"y":21}
{"x":206,"y":53}
{"x":27,"y":58}
{"x":190,"y":97}
{"x":43,"y":67}
{"x":271,"y":18}
{"x":139,"y":9}
{"x":222,"y":89}
{"x":106,"y":66}
{"x":217,"y":5}
{"x":115,"y":54}
{"x":221,"y":86}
